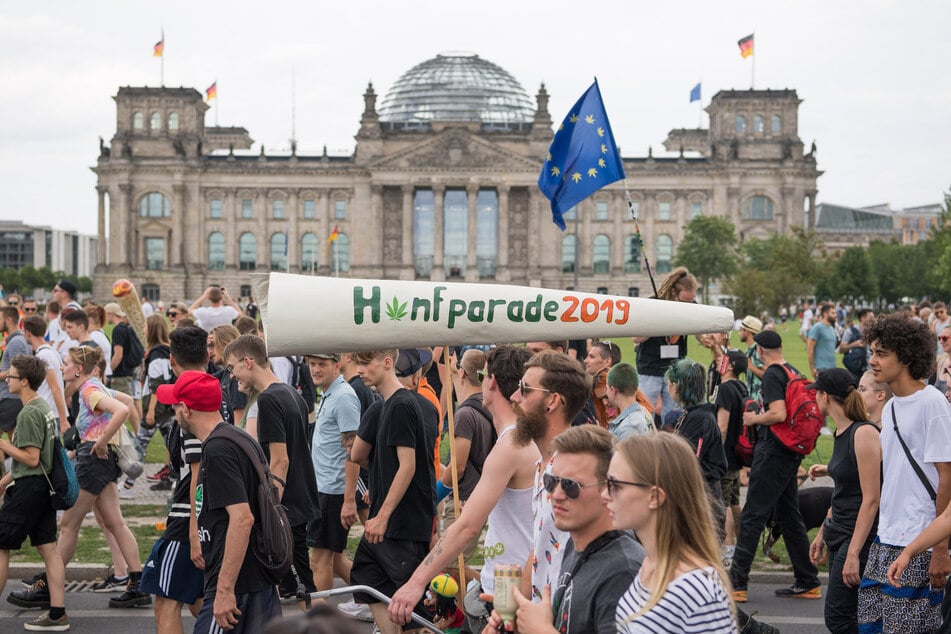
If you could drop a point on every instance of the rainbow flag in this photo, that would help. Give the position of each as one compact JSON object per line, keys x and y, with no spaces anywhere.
{"x":211,"y":91}
{"x":159,"y":48}
{"x":334,"y":234}
{"x":746,"y":46}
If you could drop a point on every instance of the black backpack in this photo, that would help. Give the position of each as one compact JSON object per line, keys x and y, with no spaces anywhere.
{"x":271,"y":541}
{"x":135,"y":355}
{"x":855,"y":360}
{"x":303,"y":382}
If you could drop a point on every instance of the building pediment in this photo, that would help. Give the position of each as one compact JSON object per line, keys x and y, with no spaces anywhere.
{"x":154,"y":226}
{"x":455,"y":149}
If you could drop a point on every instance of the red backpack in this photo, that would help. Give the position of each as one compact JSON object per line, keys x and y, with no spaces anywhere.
{"x":799,"y":431}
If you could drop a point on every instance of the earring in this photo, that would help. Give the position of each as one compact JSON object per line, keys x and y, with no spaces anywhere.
{"x":77,"y":375}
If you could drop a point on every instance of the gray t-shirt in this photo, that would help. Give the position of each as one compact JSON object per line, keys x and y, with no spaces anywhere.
{"x":16,"y":345}
{"x":588,"y":591}
{"x":474,"y":427}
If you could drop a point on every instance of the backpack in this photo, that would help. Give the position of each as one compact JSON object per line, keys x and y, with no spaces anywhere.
{"x":163,"y":412}
{"x":799,"y":431}
{"x":855,"y":360}
{"x":271,"y":540}
{"x":303,"y":382}
{"x":64,"y":485}
{"x":133,"y":357}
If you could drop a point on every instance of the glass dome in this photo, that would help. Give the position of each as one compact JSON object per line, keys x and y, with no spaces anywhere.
{"x":457,"y":87}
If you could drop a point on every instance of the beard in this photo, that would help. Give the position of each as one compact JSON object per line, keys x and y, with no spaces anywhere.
{"x":529,"y":425}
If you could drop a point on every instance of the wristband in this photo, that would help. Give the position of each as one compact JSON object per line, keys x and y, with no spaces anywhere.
{"x":441,"y":491}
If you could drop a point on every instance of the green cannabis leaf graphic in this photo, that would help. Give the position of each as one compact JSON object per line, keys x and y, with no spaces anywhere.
{"x":395,"y":310}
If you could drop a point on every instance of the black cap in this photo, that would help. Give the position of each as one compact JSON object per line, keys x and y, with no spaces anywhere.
{"x":768,"y":339}
{"x":835,"y":381}
{"x":411,"y":360}
{"x":69,"y":287}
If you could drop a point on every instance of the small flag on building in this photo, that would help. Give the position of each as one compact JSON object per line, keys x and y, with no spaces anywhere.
{"x":212,"y":91}
{"x":334,"y":234}
{"x":582,"y":158}
{"x":746,"y":46}
{"x":159,"y":47}
{"x":695,"y":93}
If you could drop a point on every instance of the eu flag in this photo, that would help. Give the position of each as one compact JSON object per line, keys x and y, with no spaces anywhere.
{"x":695,"y":93}
{"x":582,"y":158}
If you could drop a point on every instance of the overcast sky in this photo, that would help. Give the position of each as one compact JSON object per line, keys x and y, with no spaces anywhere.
{"x":872,"y":76}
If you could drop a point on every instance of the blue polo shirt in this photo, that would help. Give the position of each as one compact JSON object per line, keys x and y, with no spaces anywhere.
{"x":339,"y":413}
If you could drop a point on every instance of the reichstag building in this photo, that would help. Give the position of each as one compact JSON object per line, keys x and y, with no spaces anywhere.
{"x":441,"y":186}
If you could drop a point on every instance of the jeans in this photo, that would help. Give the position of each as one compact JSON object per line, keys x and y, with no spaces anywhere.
{"x":842,"y":602}
{"x":773,"y":485}
{"x":654,"y":386}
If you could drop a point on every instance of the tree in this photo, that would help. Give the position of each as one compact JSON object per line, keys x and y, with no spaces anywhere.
{"x":940,"y":238}
{"x":708,"y":249}
{"x":852,"y":276}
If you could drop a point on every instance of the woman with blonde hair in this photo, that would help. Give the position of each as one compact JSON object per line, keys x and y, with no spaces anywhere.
{"x":652,"y":487}
{"x":158,"y":371}
{"x":97,"y":319}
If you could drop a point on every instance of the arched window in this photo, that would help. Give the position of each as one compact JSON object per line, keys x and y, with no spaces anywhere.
{"x":155,"y":205}
{"x":601,"y":254}
{"x":455,"y":231}
{"x":341,"y":253}
{"x":665,"y":253}
{"x":279,"y":252}
{"x":568,"y":244}
{"x":216,"y":251}
{"x":156,"y":122}
{"x":173,"y":122}
{"x":424,"y":214}
{"x":740,"y":123}
{"x":487,"y":231}
{"x":309,"y":247}
{"x":758,"y":208}
{"x":757,"y":124}
{"x":632,"y":254}
{"x":138,"y":121}
{"x":776,"y":124}
{"x":247,"y":251}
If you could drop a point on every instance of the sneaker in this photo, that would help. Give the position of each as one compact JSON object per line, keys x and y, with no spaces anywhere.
{"x":45,"y":624}
{"x":32,"y":580}
{"x":739,"y":596}
{"x":131,"y":598}
{"x":126,"y":494}
{"x":164,"y":484}
{"x":354,"y":610}
{"x":111,"y":584}
{"x":161,"y":474}
{"x":799,"y":592}
{"x":36,"y":596}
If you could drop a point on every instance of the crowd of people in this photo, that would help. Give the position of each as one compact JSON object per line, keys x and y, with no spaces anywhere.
{"x":612,"y":484}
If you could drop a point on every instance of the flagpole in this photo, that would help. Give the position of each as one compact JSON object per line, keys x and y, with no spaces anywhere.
{"x":637,"y":233}
{"x":162,"y":61}
{"x":753,"y":65}
{"x":217,"y":100}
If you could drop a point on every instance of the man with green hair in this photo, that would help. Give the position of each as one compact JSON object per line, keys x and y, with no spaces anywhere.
{"x":622,"y":394}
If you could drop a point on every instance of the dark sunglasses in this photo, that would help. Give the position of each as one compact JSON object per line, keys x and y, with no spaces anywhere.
{"x":29,"y":309}
{"x":571,"y":488}
{"x":943,"y":338}
{"x":171,"y":313}
{"x":14,"y":303}
{"x":614,"y":485}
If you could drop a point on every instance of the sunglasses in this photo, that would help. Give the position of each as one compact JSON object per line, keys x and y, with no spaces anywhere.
{"x":614,"y":485}
{"x":29,"y":309}
{"x":944,"y":338}
{"x":14,"y":303}
{"x":524,"y":389}
{"x":572,"y":488}
{"x":230,"y":366}
{"x":171,"y":313}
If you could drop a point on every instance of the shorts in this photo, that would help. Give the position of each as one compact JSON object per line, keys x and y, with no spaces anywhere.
{"x":301,"y":566}
{"x":915,"y":607}
{"x":27,"y":512}
{"x":95,"y":473}
{"x":448,"y":519}
{"x":730,"y":488}
{"x":9,"y":408}
{"x":127,"y":385}
{"x":327,"y":532}
{"x":386,"y":567}
{"x":362,"y":489}
{"x":257,"y":610}
{"x":170,"y":573}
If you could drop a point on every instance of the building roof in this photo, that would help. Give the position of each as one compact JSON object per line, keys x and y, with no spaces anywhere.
{"x":839,"y":218}
{"x":784,"y":93}
{"x":457,"y":87}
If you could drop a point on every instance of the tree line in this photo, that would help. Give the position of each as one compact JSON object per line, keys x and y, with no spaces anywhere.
{"x":28,"y":278}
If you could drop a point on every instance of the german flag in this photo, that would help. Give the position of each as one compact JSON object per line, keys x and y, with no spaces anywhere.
{"x":159,"y":48}
{"x":334,"y":234}
{"x":211,"y":91}
{"x":746,"y":46}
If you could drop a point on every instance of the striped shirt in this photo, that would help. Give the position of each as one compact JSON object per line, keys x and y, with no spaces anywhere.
{"x":694,"y":602}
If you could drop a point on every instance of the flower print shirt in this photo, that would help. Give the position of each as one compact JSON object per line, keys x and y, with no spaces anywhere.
{"x":89,"y":422}
{"x":549,"y":542}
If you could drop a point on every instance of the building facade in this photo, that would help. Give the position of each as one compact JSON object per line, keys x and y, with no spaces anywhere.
{"x":38,"y":246}
{"x":441,"y":186}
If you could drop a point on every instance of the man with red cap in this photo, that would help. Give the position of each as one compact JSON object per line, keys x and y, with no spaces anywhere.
{"x":237,"y":595}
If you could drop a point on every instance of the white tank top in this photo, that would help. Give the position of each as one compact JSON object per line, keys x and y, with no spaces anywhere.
{"x":508,"y":539}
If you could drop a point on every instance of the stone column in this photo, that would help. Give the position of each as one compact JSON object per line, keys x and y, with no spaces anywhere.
{"x":503,"y":274}
{"x":101,"y":243}
{"x":230,"y":213}
{"x":324,"y":250}
{"x":407,"y":211}
{"x":619,"y":214}
{"x":293,"y":239}
{"x":178,"y":249}
{"x":535,"y":200}
{"x":123,"y":222}
{"x":263,"y":255}
{"x":472,"y":233}
{"x":439,"y":269}
{"x":810,"y":220}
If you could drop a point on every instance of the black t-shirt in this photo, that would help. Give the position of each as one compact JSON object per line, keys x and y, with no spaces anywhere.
{"x":398,"y":422}
{"x":183,"y":450}
{"x":226,"y":477}
{"x":122,"y":336}
{"x":731,"y":396}
{"x":773,"y":389}
{"x":231,"y":397}
{"x":282,"y":418}
{"x":649,"y":361}
{"x":699,"y":426}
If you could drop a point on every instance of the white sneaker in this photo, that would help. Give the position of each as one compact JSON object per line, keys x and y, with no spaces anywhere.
{"x":359,"y":611}
{"x":126,"y":494}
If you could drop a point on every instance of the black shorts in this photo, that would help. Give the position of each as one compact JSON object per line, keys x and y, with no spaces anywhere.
{"x":327,"y":532}
{"x":93,"y":472}
{"x":386,"y":567}
{"x":170,"y":573}
{"x":301,"y":564}
{"x":9,"y":408}
{"x":27,"y":512}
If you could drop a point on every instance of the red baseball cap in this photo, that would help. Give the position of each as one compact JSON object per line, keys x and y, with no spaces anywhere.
{"x":198,"y":390}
